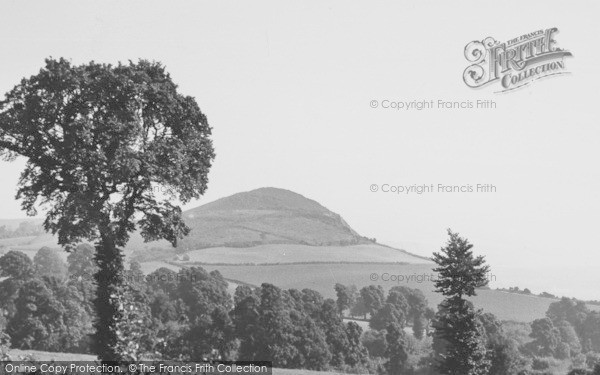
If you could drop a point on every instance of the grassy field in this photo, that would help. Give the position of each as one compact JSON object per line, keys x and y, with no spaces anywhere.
{"x":29,"y":245}
{"x":301,"y":253}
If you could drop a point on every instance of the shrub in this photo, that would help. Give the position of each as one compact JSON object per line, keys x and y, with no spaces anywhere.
{"x":540,"y":364}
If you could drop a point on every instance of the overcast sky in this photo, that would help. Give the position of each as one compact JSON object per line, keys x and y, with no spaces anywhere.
{"x":287,"y":88}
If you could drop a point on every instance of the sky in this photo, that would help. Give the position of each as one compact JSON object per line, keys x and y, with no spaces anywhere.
{"x":287,"y":87}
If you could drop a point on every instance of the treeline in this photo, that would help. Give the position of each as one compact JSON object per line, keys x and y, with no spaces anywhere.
{"x":526,"y":291}
{"x":570,"y":331}
{"x":43,"y":309}
{"x":25,"y":229}
{"x":47,"y":304}
{"x":403,"y":306}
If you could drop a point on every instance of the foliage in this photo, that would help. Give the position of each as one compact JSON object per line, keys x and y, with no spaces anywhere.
{"x":16,"y":265}
{"x":98,"y":139}
{"x":459,"y":335}
{"x":546,"y":338}
{"x":396,"y":350}
{"x":4,"y":345}
{"x":24,"y":229}
{"x":570,"y":344}
{"x":413,"y":304}
{"x":38,"y":321}
{"x":387,"y":315}
{"x":346,"y":296}
{"x":81,"y":262}
{"x":502,"y":351}
{"x":356,"y":353}
{"x":295,"y":329}
{"x":375,"y":342}
{"x":372,"y":297}
{"x":47,"y":262}
{"x":17,"y":269}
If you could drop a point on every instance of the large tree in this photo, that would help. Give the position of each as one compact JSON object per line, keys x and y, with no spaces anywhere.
{"x":109,"y":149}
{"x":459,"y":340}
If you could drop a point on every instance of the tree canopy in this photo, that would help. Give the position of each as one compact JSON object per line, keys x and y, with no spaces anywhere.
{"x":109,"y":149}
{"x":98,"y":140}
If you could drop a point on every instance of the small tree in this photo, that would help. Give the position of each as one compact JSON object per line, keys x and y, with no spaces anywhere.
{"x":387,"y":315}
{"x":245,"y":316}
{"x":376,"y":343}
{"x":16,"y":265}
{"x":100,"y":142}
{"x":356,"y":353}
{"x":373,"y":298}
{"x":38,"y":322}
{"x":81,"y":262}
{"x":16,"y":269}
{"x":502,"y":351}
{"x":47,"y":262}
{"x":4,"y":345}
{"x":546,"y":337}
{"x":418,"y":327}
{"x":346,"y":296}
{"x":459,"y":340}
{"x":396,"y":351}
{"x":81,"y":268}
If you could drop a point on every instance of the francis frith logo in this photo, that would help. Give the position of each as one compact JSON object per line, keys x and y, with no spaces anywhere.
{"x":516,"y":62}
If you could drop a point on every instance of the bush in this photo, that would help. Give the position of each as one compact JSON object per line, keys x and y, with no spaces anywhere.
{"x":375,"y":343}
{"x":4,"y":345}
{"x":563,"y":351}
{"x":540,"y":364}
{"x":579,"y":361}
{"x":592,"y":359}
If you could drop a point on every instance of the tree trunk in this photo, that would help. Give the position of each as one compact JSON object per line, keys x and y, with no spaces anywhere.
{"x":109,"y":279}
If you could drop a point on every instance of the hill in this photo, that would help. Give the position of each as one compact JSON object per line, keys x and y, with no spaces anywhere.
{"x":266,"y":216}
{"x":245,"y":227}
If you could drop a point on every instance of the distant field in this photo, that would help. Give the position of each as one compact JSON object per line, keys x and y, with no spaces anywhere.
{"x":29,"y":245}
{"x":302,"y":253}
{"x":14,"y":223}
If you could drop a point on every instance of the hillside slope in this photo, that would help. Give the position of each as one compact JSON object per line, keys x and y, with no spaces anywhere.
{"x":266,"y":216}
